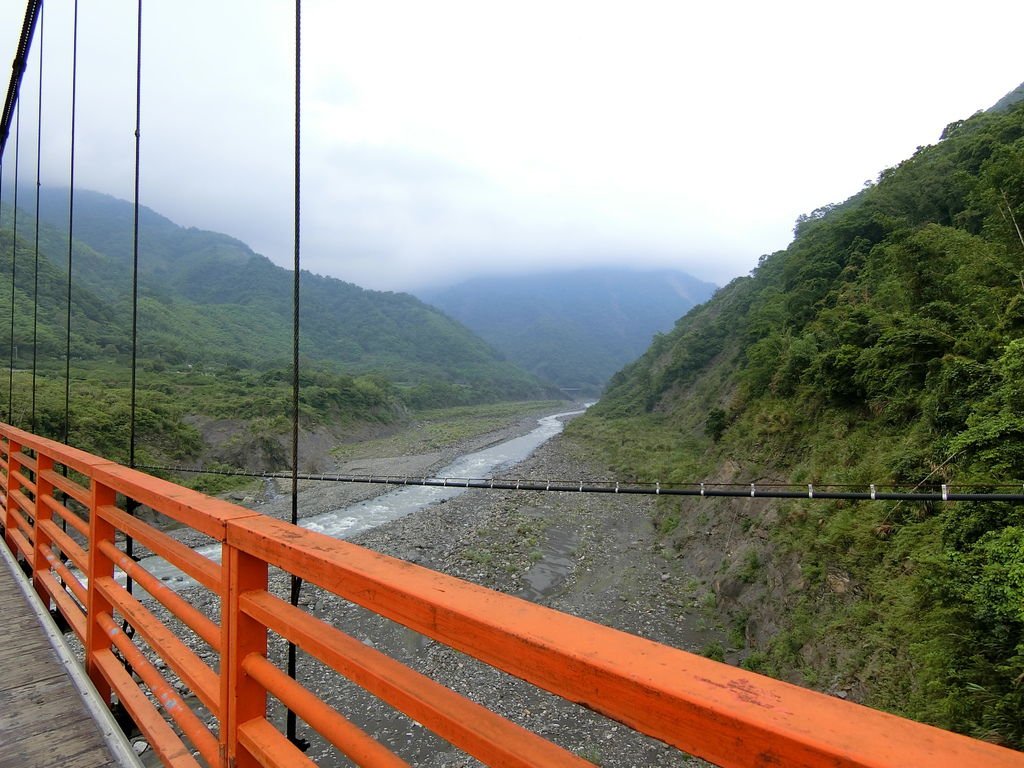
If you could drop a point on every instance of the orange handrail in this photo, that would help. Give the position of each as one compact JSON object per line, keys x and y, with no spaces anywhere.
{"x":726,"y":715}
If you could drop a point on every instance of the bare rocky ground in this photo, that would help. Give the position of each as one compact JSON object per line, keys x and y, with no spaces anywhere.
{"x":593,"y":556}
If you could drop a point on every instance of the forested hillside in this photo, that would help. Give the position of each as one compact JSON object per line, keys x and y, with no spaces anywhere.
{"x":215,"y":338}
{"x":884,"y":345}
{"x":209,"y":298}
{"x":573,"y":328}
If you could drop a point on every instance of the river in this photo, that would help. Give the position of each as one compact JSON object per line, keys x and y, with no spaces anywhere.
{"x":348,"y":521}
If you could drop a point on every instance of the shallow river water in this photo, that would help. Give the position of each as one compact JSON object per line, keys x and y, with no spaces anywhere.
{"x":348,"y":521}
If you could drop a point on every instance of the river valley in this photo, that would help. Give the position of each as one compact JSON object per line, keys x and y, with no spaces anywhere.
{"x":597,"y":557}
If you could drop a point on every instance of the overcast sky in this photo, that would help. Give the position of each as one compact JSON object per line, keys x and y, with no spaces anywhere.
{"x":445,"y":139}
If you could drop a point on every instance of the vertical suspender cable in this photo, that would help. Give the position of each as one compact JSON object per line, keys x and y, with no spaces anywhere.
{"x":132,"y":504}
{"x":296,"y":273}
{"x":14,"y":260}
{"x":2,"y":204}
{"x":296,"y":582}
{"x":66,"y":432}
{"x":66,"y":429}
{"x":135,"y":237}
{"x":7,"y":418}
{"x":35,"y":279}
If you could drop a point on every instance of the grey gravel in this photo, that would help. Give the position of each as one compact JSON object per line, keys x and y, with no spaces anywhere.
{"x":593,"y":556}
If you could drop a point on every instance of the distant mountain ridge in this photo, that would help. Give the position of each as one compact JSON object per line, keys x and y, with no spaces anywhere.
{"x":573,"y":328}
{"x":1017,"y":94}
{"x":208,"y":298}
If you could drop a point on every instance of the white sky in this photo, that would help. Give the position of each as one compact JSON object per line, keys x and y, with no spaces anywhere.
{"x":447,"y":139}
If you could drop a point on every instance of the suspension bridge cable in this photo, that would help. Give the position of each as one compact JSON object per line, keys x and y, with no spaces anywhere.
{"x":66,"y":427}
{"x":296,"y":582}
{"x":1,"y":191}
{"x":8,"y":419}
{"x":829,"y":491}
{"x":12,"y":114}
{"x":132,"y":504}
{"x":66,"y":431}
{"x":135,"y":238}
{"x":14,"y":262}
{"x":35,"y":278}
{"x":28,"y":26}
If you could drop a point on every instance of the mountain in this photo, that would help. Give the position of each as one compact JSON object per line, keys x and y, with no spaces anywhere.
{"x":572,"y":328}
{"x":214,"y":347}
{"x":885,"y":345}
{"x":1017,"y":94}
{"x":208,"y":298}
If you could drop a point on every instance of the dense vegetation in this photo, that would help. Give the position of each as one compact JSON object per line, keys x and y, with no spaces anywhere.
{"x":206,"y":298}
{"x":884,"y":345}
{"x":577,"y":328}
{"x":215,"y":340}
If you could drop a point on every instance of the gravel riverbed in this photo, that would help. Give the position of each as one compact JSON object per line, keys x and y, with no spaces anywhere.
{"x":593,"y":556}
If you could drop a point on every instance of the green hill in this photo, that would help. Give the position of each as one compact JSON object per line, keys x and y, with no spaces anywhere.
{"x":575,"y":328}
{"x":209,"y":298}
{"x":215,"y":336}
{"x":884,"y":345}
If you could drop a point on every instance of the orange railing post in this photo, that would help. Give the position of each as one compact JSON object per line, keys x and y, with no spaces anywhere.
{"x":100,"y":565}
{"x":42,"y":545}
{"x":242,"y":697}
{"x":13,"y":465}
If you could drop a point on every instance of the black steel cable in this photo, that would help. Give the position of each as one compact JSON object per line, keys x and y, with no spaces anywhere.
{"x":135,"y":240}
{"x":66,"y":428}
{"x":296,"y":582}
{"x":14,"y":262}
{"x":1,"y":224}
{"x":132,"y":504}
{"x":66,"y":432}
{"x":32,"y":10}
{"x":705,"y":489}
{"x":35,"y":279}
{"x":296,"y":268}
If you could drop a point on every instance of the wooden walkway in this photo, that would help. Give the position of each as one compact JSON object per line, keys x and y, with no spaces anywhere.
{"x":44,"y":721}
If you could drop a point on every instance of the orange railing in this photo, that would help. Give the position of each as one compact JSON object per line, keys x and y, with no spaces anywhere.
{"x":203,"y":689}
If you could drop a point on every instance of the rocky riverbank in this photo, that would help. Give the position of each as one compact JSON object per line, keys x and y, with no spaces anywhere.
{"x":593,"y":556}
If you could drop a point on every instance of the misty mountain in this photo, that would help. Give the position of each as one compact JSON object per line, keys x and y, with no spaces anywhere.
{"x":1017,"y":94}
{"x":208,"y":298}
{"x":572,"y":328}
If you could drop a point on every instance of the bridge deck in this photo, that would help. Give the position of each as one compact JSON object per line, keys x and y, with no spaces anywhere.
{"x":43,"y":719}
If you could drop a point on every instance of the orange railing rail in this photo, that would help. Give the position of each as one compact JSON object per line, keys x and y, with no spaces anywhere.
{"x":726,"y":715}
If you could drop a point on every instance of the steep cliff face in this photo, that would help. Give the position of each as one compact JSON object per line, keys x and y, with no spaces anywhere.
{"x":885,"y":345}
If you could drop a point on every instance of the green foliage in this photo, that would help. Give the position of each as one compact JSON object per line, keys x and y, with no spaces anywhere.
{"x":214,"y":343}
{"x":714,"y":651}
{"x":716,"y":423}
{"x":206,"y":300}
{"x":885,"y":345}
